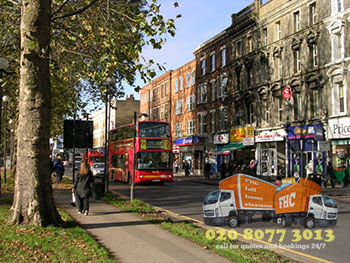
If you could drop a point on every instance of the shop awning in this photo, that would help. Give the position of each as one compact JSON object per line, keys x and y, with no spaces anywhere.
{"x":227,"y":148}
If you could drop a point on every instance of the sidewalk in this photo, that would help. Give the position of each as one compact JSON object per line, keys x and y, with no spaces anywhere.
{"x":336,"y":191}
{"x":131,"y":239}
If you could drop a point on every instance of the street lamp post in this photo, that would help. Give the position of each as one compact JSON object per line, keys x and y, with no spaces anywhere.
{"x":5,"y":100}
{"x":110,"y":81}
{"x":132,"y":187}
{"x":4,"y":64}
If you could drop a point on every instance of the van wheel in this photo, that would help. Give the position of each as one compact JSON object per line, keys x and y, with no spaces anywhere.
{"x":286,"y":221}
{"x":309,"y":223}
{"x":332,"y":222}
{"x":233,"y":221}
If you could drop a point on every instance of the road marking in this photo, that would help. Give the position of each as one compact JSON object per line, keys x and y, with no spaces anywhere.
{"x":279,"y":248}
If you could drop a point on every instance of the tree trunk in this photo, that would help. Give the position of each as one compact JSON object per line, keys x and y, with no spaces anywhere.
{"x":33,"y":199}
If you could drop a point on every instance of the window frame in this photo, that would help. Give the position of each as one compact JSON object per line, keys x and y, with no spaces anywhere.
{"x":278,"y":30}
{"x":296,"y":21}
{"x":223,"y":56}
{"x":312,"y":14}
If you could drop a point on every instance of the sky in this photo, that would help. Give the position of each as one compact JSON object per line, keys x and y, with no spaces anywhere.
{"x":200,"y":21}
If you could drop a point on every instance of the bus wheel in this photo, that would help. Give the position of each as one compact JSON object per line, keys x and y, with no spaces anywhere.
{"x":309,"y":223}
{"x":286,"y":221}
{"x":233,"y":221}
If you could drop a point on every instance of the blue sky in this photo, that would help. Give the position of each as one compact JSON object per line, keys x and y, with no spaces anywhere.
{"x":201,"y":20}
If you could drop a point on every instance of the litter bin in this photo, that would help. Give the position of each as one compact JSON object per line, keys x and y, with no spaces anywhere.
{"x":98,"y":187}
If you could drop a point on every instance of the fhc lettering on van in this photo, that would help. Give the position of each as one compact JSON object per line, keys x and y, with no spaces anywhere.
{"x":286,"y":201}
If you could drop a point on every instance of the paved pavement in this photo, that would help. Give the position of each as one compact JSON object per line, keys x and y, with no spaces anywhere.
{"x":131,"y":239}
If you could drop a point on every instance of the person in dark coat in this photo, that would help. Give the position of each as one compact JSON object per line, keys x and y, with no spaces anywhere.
{"x":82,"y":188}
{"x":223,"y":168}
{"x":331,"y":175}
{"x":207,"y":168}
{"x":59,"y":170}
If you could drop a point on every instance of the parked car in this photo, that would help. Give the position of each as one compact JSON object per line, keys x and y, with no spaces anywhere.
{"x":98,"y":169}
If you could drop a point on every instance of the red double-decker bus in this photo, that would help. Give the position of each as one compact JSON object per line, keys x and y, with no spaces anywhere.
{"x":153,"y":150}
{"x":94,"y":157}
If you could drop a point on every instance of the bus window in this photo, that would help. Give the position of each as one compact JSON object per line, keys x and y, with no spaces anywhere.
{"x":114,"y":161}
{"x":154,"y":130}
{"x":154,"y":160}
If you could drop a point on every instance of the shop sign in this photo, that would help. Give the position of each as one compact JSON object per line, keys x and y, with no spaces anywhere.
{"x":248,"y":141}
{"x":339,"y":128}
{"x":323,"y":146}
{"x":250,"y":132}
{"x":287,"y":93}
{"x":189,"y":140}
{"x":155,"y":144}
{"x":271,"y":136}
{"x":221,"y":138}
{"x":314,"y":131}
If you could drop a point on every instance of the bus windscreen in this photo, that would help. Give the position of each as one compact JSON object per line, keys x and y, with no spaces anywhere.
{"x":154,"y":161}
{"x":154,"y":130}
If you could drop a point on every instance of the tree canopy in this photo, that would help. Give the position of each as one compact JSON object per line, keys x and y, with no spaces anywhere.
{"x":91,"y":40}
{"x":67,"y":48}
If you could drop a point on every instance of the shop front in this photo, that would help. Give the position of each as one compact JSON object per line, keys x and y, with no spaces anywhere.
{"x":339,"y":136}
{"x":271,"y":153}
{"x":191,"y":149}
{"x":306,"y":152}
{"x":243,"y":136}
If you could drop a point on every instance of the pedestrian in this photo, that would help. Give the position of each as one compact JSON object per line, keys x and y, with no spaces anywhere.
{"x":186,"y":167}
{"x":230,"y":168}
{"x":252,"y":167}
{"x":207,"y":169}
{"x":59,"y":170}
{"x":82,"y":188}
{"x":330,"y":173}
{"x":190,"y":164}
{"x":309,"y":169}
{"x":176,"y":164}
{"x":223,"y":169}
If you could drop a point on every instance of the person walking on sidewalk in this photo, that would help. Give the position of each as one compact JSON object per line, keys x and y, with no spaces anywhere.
{"x":82,"y":188}
{"x":59,"y":170}
{"x":207,"y":168}
{"x":331,"y":176}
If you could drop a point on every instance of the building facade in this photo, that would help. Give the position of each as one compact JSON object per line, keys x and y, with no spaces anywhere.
{"x":271,"y":87}
{"x":280,"y":69}
{"x":121,"y":112}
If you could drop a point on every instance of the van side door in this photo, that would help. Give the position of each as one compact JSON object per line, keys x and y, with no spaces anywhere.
{"x":227,"y":202}
{"x":316,"y":206}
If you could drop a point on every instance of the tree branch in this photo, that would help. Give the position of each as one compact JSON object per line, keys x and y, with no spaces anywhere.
{"x":76,"y":12}
{"x":61,"y":7}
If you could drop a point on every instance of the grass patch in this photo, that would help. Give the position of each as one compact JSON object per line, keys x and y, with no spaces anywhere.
{"x":47,"y":244}
{"x":195,"y":234}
